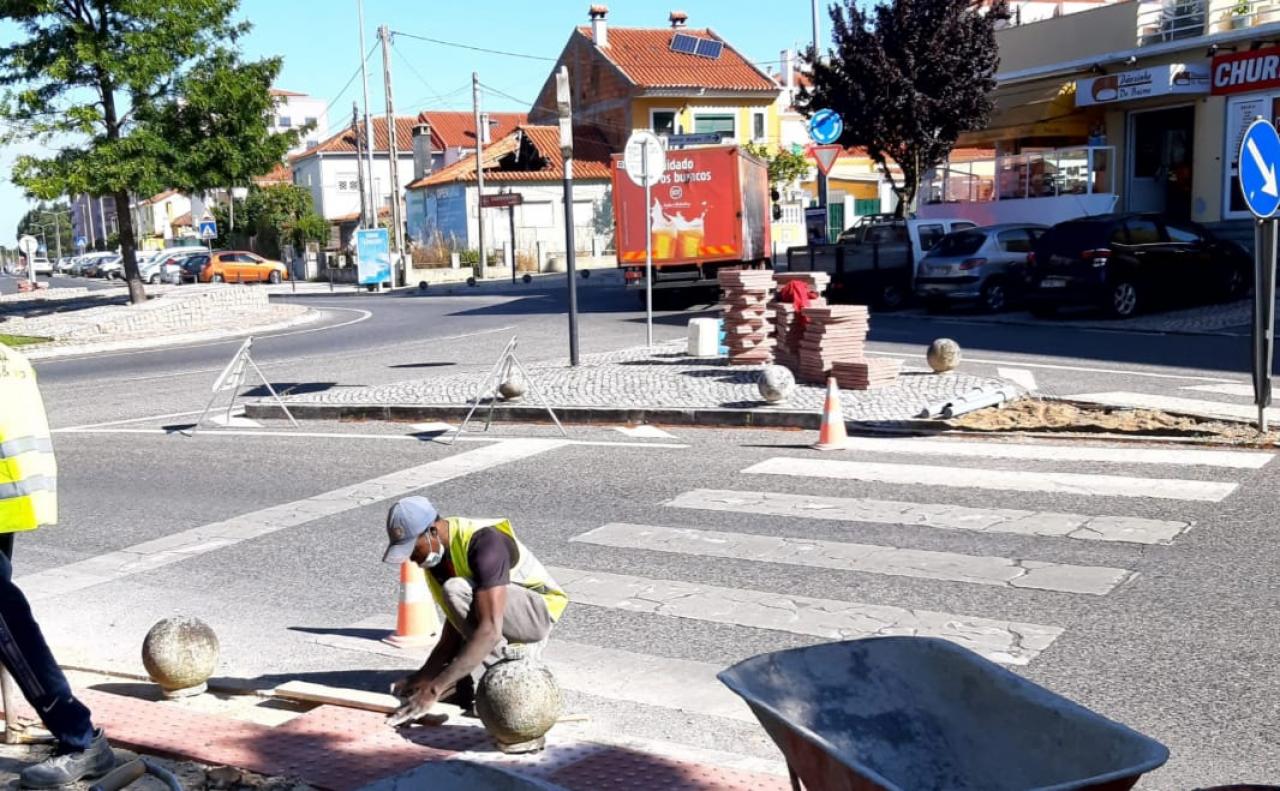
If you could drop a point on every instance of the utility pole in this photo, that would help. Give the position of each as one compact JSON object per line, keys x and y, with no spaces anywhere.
{"x":369,"y":142}
{"x":57,"y":234}
{"x":355,"y":129}
{"x":475,"y":109}
{"x":102,"y":222}
{"x":393,"y":152}
{"x":88,"y":213}
{"x":565,"y":111}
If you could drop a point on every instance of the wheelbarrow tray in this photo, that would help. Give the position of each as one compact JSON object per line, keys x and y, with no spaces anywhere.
{"x":915,"y":713}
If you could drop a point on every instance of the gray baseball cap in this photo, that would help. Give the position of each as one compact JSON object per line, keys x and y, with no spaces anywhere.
{"x":407,"y":520}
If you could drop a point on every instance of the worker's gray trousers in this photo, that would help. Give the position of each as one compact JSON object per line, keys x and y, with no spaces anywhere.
{"x":525,"y":619}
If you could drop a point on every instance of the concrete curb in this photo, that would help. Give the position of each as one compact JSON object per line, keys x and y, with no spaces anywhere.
{"x":308,"y":316}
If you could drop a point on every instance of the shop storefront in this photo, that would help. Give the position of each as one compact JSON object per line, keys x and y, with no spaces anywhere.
{"x":1250,"y":83}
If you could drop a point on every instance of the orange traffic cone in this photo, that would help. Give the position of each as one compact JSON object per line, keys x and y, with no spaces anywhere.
{"x":832,"y":435}
{"x":416,"y":620}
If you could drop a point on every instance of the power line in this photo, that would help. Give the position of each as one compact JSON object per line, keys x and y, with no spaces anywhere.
{"x":459,"y":45}
{"x":355,"y":74}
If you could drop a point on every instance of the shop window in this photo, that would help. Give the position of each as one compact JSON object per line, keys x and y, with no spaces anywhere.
{"x":709,"y":123}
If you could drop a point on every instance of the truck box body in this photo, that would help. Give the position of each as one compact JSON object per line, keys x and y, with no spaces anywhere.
{"x":711,"y":207}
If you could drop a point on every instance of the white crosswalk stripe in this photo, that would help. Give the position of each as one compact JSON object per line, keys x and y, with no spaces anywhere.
{"x":1001,"y":641}
{"x":870,"y":558}
{"x":1241,"y":390}
{"x":1061,"y":452}
{"x":945,"y":517}
{"x":1189,"y":406}
{"x":1006,"y":480}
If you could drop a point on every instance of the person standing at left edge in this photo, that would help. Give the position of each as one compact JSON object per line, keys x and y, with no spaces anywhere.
{"x":28,"y":500}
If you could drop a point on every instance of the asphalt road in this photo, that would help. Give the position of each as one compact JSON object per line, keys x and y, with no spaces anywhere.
{"x":1181,"y":649}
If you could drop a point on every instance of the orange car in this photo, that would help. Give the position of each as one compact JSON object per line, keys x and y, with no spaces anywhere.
{"x":239,"y":266}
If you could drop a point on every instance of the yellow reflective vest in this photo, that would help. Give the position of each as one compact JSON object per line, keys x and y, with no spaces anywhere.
{"x":28,"y":474}
{"x":527,"y":572}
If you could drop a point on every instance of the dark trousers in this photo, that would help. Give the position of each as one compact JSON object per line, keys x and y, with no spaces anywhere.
{"x":26,"y":656}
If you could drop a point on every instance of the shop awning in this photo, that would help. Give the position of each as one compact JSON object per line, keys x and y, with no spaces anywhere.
{"x":1028,"y":112}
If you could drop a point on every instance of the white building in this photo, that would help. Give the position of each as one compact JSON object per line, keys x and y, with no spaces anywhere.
{"x":154,"y":218}
{"x":330,"y":171}
{"x":296,"y":110}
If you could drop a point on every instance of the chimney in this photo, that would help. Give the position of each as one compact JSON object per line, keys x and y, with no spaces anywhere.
{"x":486,"y":129}
{"x":421,"y":150}
{"x":788,"y":70}
{"x":678,"y":19}
{"x":599,"y":28}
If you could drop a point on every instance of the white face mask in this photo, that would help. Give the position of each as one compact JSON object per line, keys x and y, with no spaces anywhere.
{"x":434,"y":557}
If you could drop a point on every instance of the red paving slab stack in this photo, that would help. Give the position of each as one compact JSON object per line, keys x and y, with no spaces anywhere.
{"x":865,"y":374}
{"x":788,"y":328}
{"x":748,"y":318}
{"x":343,"y":749}
{"x":835,"y":333}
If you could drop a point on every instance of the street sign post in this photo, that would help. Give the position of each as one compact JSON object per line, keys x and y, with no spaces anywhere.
{"x":1258,"y":157}
{"x":645,"y":162}
{"x":81,"y":243}
{"x":826,"y":157}
{"x":825,"y":127}
{"x":702,"y":139}
{"x":28,"y":245}
{"x":501,"y":200}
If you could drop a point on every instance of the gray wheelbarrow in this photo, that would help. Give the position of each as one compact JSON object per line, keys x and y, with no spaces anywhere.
{"x":915,"y":713}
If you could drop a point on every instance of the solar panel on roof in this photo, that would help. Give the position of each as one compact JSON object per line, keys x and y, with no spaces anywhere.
{"x":709,"y":48}
{"x":683,"y":42}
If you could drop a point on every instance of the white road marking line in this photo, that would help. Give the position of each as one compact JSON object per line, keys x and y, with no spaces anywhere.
{"x":643,"y":432}
{"x":866,"y":558}
{"x":432,"y":428}
{"x":1194,"y":406}
{"x":943,"y":517}
{"x":339,"y":435}
{"x":1049,"y":452}
{"x":130,"y":420}
{"x":1000,"y":480}
{"x":609,"y":673}
{"x":1244,"y":391}
{"x":1008,"y":642}
{"x":235,"y":421}
{"x":1019,"y":376}
{"x":1059,"y":367}
{"x":187,"y":544}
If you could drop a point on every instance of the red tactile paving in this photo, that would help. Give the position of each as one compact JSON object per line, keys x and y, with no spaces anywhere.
{"x":616,"y":769}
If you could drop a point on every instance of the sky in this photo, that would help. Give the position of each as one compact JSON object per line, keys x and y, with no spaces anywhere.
{"x":319,"y":42}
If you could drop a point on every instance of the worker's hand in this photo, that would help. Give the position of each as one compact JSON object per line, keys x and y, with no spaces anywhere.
{"x":417,"y":705}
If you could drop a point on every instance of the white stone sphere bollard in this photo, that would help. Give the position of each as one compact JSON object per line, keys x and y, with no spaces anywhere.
{"x":943,"y":355}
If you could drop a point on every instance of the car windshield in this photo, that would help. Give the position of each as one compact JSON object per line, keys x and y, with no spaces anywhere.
{"x":960,"y":243}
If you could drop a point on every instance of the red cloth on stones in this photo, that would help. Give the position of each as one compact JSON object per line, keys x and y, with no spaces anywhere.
{"x":798,"y":293}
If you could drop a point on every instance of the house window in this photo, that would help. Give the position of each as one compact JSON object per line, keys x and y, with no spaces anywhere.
{"x":284,"y":122}
{"x":663,"y":122}
{"x":348,"y":182}
{"x":758,"y":126}
{"x":310,"y":121}
{"x":724,"y":123}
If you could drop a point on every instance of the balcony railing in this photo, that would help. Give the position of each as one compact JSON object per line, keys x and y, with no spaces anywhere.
{"x":1170,"y":20}
{"x":1087,"y":170}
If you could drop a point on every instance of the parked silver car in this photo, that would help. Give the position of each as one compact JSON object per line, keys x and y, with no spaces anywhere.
{"x":984,"y":265}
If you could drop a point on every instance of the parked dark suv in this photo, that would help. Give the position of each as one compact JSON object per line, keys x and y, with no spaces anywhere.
{"x":1125,"y":263}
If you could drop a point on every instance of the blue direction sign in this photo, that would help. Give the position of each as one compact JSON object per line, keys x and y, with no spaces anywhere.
{"x":208,"y":228}
{"x":1259,"y":155}
{"x":81,"y":242}
{"x":825,"y":127}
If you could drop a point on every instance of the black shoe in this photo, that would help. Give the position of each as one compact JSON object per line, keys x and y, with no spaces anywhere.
{"x":463,"y":695}
{"x":66,"y":768}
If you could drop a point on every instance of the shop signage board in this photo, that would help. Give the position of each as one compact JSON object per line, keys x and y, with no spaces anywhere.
{"x":1169,"y":79}
{"x":1241,"y":72}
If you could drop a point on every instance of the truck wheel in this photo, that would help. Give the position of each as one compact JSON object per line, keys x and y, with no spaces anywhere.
{"x":892,"y":297}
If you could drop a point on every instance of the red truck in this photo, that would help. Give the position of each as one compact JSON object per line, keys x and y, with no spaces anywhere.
{"x":710,"y":211}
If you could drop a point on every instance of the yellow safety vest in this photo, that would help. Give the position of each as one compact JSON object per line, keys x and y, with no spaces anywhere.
{"x":28,"y":473}
{"x":527,"y":572}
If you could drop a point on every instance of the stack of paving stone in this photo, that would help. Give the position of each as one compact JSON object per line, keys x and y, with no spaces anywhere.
{"x":748,"y":318}
{"x":865,"y":374}
{"x":788,"y":329}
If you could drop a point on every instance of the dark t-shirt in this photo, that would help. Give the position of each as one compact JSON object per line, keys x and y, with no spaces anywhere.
{"x":491,"y":555}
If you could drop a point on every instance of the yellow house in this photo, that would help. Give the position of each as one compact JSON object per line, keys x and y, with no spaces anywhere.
{"x":674,"y":80}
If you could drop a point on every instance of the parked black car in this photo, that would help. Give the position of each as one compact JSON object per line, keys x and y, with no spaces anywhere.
{"x":1125,"y":263}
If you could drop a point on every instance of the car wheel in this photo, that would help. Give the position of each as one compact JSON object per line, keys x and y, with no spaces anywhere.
{"x":154,"y":279}
{"x":274,"y":277}
{"x":1123,"y":299}
{"x":892,"y":297}
{"x":216,"y":279}
{"x":994,"y":297}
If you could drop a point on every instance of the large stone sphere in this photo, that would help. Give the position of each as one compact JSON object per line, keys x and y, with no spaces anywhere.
{"x":776,"y":384}
{"x":943,"y":355}
{"x":180,"y":654}
{"x":518,"y":701}
{"x":513,"y":387}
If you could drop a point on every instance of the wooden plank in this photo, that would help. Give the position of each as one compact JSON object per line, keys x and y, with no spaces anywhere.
{"x":379,"y":702}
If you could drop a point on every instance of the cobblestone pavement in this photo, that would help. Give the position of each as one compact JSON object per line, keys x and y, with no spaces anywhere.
{"x":667,"y":379}
{"x":1219,"y":319}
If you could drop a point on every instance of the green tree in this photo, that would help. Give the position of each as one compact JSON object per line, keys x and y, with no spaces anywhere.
{"x":149,"y":94}
{"x":908,"y":76}
{"x":785,"y":166}
{"x":283,"y":214}
{"x":50,"y":222}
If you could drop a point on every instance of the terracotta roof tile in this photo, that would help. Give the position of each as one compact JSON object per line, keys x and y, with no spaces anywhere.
{"x":280,"y":174}
{"x":344,"y":142}
{"x":354,"y":216}
{"x":282,"y":92}
{"x":457,"y":129}
{"x":645,"y":56}
{"x":182,"y":221}
{"x":591,"y":160}
{"x":154,"y":199}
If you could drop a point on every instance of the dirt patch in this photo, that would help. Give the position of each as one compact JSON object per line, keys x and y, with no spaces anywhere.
{"x":1056,"y":416}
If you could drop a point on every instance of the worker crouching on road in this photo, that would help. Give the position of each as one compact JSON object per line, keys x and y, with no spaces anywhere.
{"x":28,"y":500}
{"x":489,"y":585}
